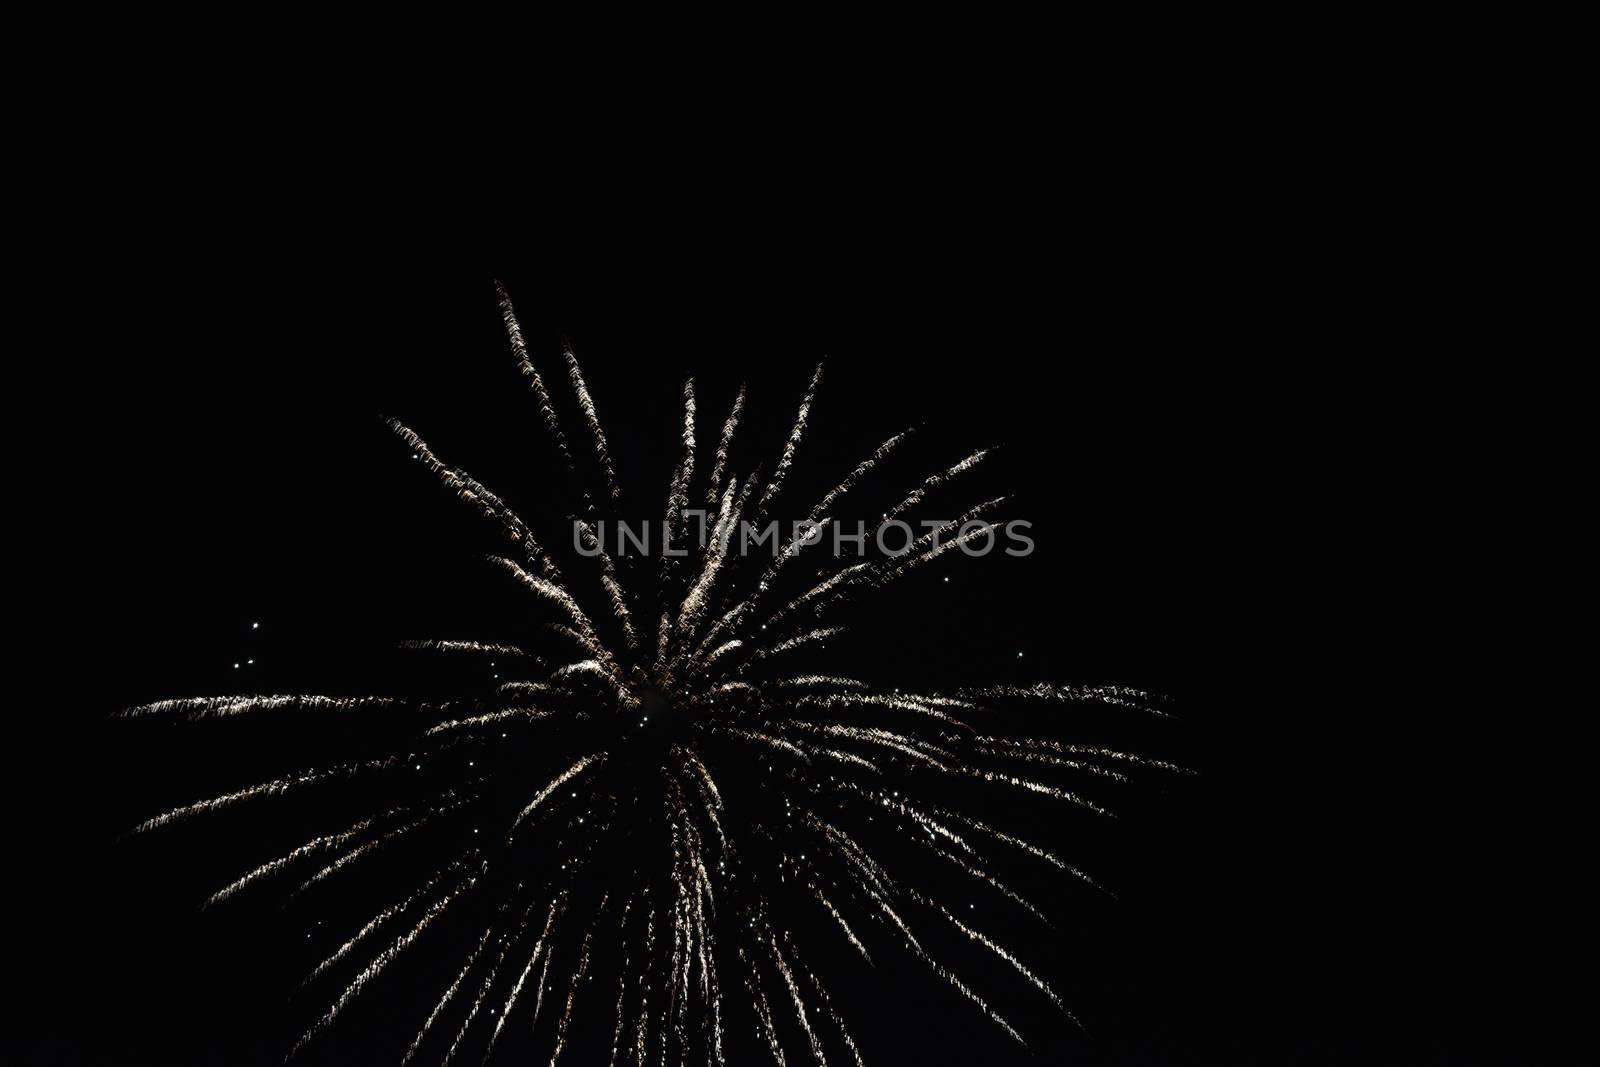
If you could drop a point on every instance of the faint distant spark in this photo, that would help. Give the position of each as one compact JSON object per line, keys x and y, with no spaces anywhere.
{"x":676,"y":786}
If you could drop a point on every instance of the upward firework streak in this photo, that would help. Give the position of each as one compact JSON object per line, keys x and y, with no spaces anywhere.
{"x":660,"y":775}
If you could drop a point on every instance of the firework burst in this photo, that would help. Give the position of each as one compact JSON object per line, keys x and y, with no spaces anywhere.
{"x":638,"y":818}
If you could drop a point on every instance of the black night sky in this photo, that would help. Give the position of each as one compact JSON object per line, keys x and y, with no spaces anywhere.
{"x":1219,"y":490}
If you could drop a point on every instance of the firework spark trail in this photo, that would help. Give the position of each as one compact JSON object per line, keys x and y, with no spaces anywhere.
{"x":540,"y":990}
{"x":524,"y":689}
{"x":1030,"y":848}
{"x":1042,"y":789}
{"x":567,"y":633}
{"x":587,"y":666}
{"x":879,"y":887}
{"x":1103,"y":753}
{"x":724,"y":444}
{"x":879,"y":573}
{"x":934,"y":700}
{"x":872,"y":735}
{"x":999,"y":950}
{"x":560,"y":780}
{"x":558,"y":596}
{"x":507,"y":939}
{"x":682,"y":475}
{"x":677,"y":815}
{"x":492,"y":718}
{"x":622,"y":982}
{"x":371,"y":846}
{"x":713,"y":990}
{"x":705,"y":778}
{"x":723,"y":650}
{"x":377,"y":921}
{"x":710,"y":987}
{"x":819,"y":681}
{"x":702,"y":902}
{"x":274,"y":788}
{"x":1049,"y":759}
{"x":794,"y":546}
{"x":961,"y":987}
{"x":470,"y":491}
{"x":838,"y":917}
{"x":519,"y":349}
{"x":919,"y":750}
{"x":1115,"y":695}
{"x":758,"y":997}
{"x":930,"y":546}
{"x":197,"y":708}
{"x":875,"y":877}
{"x":930,"y":484}
{"x":794,"y":996}
{"x":698,"y":937}
{"x":522,"y":979}
{"x":727,"y":688}
{"x":328,"y":841}
{"x":822,"y":996}
{"x":615,"y":594}
{"x":592,"y":418}
{"x":449,"y":995}
{"x":819,"y":511}
{"x":932,"y":828}
{"x":695,"y":602}
{"x":708,"y":789}
{"x":790,"y":446}
{"x":748,"y":490}
{"x":663,"y":640}
{"x":572,"y":987}
{"x":644,"y":983}
{"x":482,"y":647}
{"x":914,"y":705}
{"x":845,"y":757}
{"x":746,"y":607}
{"x":1000,"y":887}
{"x":765,"y":739}
{"x":799,"y":641}
{"x":916,"y":949}
{"x":703,"y":941}
{"x":373,"y":969}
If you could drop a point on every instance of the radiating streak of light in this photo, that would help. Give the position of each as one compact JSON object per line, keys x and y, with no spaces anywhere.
{"x":539,"y":956}
{"x":724,"y":445}
{"x":790,"y":446}
{"x":592,"y":418}
{"x":560,"y":780}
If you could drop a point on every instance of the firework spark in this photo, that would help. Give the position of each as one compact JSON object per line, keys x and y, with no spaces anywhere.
{"x":681,"y":788}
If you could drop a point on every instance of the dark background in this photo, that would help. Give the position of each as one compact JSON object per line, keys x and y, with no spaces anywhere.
{"x":1227,"y":453}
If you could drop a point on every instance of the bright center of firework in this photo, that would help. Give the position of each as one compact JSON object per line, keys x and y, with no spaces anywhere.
{"x":654,"y":709}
